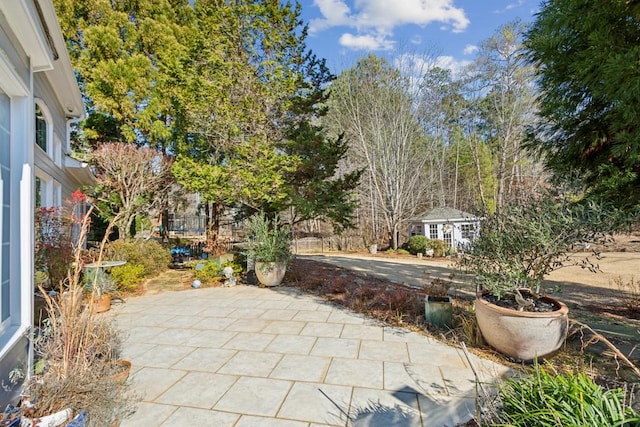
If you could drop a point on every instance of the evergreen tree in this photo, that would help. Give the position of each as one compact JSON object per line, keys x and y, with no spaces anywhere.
{"x":587,"y":54}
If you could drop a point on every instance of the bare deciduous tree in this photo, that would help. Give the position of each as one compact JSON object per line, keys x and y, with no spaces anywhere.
{"x":373,"y":104}
{"x":130,"y":181}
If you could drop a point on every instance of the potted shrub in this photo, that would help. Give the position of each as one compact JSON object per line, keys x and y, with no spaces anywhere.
{"x":269,"y":245}
{"x":98,"y":283}
{"x":516,"y":248}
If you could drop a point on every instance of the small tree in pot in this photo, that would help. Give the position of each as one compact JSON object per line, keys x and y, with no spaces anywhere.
{"x":269,"y":245}
{"x":517,"y":247}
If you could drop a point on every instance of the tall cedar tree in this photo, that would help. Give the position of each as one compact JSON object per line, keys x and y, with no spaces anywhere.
{"x":587,"y":53}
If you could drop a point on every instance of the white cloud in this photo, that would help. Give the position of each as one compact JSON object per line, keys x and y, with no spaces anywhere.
{"x":335,"y":13}
{"x":470,"y":49}
{"x":375,"y":20}
{"x":510,"y":6}
{"x":365,"y":42}
{"x":450,"y":63}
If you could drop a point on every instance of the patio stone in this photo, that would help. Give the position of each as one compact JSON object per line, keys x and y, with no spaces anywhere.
{"x":205,"y":359}
{"x":293,"y":344}
{"x":383,"y":408}
{"x":385,"y":351}
{"x":290,"y":327}
{"x":248,"y":325}
{"x":312,"y":316}
{"x":249,"y":341}
{"x":162,"y":356}
{"x":149,"y":414}
{"x":336,"y":347}
{"x":279,"y":314}
{"x":253,"y":421}
{"x":152,"y":382}
{"x":210,"y":338}
{"x":317,"y":329}
{"x":363,"y":332}
{"x":354,"y":372}
{"x":251,"y":363}
{"x":301,"y":368}
{"x":189,"y":417}
{"x":197,"y":389}
{"x":324,"y":404}
{"x":255,"y":396}
{"x":214,"y":323}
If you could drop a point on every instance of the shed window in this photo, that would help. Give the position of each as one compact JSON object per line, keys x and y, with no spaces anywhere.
{"x":433,"y":231}
{"x":467,"y":231}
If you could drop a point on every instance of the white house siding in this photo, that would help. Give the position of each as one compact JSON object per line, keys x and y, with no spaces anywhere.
{"x":28,"y":70}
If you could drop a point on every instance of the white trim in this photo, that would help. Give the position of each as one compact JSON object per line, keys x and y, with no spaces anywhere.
{"x":11,"y":82}
{"x":26,"y":25}
{"x":26,"y":250}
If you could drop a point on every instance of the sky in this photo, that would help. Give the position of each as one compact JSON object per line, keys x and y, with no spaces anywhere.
{"x":451,"y":31}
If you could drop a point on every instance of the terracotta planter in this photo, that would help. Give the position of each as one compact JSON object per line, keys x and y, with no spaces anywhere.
{"x":438,"y":310}
{"x":122,"y":370}
{"x":101,"y":303}
{"x":522,"y":335}
{"x":270,"y":273}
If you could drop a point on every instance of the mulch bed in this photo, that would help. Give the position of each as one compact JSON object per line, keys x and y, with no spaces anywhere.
{"x":379,"y":298}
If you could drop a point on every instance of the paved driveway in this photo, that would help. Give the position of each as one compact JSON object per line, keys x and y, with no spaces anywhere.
{"x":411,"y":271}
{"x":249,"y":356}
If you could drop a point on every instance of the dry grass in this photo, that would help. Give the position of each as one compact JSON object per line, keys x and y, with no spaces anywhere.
{"x":76,"y":356}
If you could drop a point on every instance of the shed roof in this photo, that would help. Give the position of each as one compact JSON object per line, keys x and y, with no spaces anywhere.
{"x":444,"y":215}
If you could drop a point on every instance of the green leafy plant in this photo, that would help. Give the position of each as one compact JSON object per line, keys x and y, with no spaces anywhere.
{"x":549,"y":398}
{"x":519,"y":245}
{"x":150,"y":254}
{"x":418,"y":244}
{"x":209,"y":272}
{"x":268,"y":241}
{"x":128,"y":277}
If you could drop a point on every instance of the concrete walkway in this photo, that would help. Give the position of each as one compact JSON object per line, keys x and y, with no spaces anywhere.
{"x":249,"y":356}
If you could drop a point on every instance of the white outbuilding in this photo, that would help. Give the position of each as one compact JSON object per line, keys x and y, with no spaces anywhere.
{"x":456,"y":228}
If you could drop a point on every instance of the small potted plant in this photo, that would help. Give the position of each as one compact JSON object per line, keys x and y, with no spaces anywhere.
{"x":269,"y":245}
{"x":438,"y":308}
{"x":98,"y":284}
{"x":516,"y":248}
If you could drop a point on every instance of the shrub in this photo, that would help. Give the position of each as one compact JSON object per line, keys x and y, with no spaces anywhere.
{"x":148,"y":253}
{"x":127,"y":277}
{"x":417,"y":244}
{"x":210,"y":272}
{"x":557,"y":399}
{"x":402,"y":252}
{"x":438,"y":246}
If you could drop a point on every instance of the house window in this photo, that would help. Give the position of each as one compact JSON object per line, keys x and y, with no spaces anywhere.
{"x":467,"y":231}
{"x":416,"y":230}
{"x":433,"y":231}
{"x":5,"y":181}
{"x":41,"y":129}
{"x":447,"y":239}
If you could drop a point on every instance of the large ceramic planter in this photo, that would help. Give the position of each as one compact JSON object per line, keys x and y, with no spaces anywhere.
{"x":522,"y":335}
{"x":270,"y":273}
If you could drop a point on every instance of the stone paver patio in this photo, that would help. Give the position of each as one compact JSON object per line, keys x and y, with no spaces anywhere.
{"x":249,"y":356}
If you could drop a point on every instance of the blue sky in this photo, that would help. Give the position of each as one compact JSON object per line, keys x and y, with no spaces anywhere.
{"x":450,"y":30}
